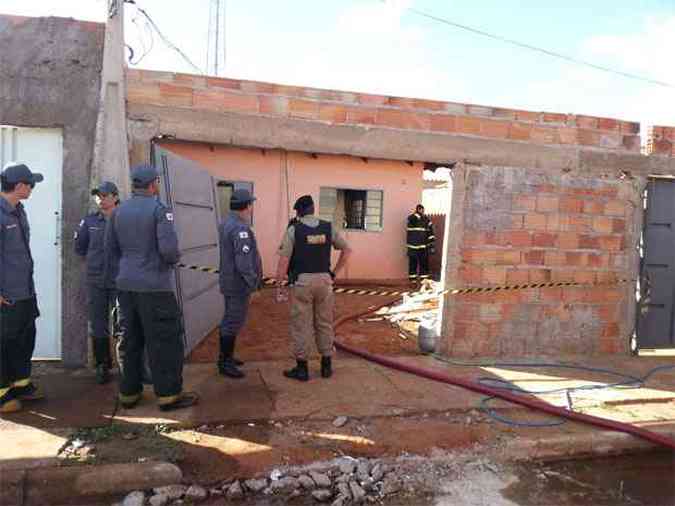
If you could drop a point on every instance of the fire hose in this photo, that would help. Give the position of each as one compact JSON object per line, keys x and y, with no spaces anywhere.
{"x":499,"y":393}
{"x":509,"y":393}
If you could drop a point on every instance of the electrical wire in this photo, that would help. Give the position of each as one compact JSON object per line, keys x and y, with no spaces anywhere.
{"x":541,"y":50}
{"x":146,"y":49}
{"x":163,"y":37}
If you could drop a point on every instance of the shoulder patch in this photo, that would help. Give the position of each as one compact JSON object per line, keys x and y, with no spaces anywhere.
{"x":169,"y":216}
{"x":243,"y":234}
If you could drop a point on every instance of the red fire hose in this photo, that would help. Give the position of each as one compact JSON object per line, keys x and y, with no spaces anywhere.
{"x":535,"y":404}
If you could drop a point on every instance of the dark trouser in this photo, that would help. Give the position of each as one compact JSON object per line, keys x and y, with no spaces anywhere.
{"x":17,"y":343}
{"x":150,"y":322}
{"x":101,"y":305}
{"x":236,"y":309}
{"x":418,"y":259}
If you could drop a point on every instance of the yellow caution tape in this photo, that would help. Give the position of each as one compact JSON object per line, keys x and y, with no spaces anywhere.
{"x":449,"y":291}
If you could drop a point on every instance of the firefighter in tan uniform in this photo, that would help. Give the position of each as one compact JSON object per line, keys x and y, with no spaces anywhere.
{"x":305,"y":252}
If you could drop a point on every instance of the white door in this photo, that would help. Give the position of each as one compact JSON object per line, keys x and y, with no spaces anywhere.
{"x":42,"y":150}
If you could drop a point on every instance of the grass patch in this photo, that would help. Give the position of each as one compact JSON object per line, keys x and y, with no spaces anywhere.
{"x":121,"y":443}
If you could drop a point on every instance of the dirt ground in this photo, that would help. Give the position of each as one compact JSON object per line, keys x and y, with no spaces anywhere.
{"x":204,"y":453}
{"x":266,"y":335}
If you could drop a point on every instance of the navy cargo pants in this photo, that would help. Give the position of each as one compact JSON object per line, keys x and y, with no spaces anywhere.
{"x":17,"y":343}
{"x":150,"y":323}
{"x":236,"y":309}
{"x":418,"y":261}
{"x":101,"y":304}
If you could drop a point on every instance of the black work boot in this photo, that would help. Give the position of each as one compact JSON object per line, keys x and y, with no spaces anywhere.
{"x":227,"y":364}
{"x":130,"y":401}
{"x":182,"y":401}
{"x":326,"y":367}
{"x":102,"y":374}
{"x":227,"y":367}
{"x":30,"y":392}
{"x":9,"y":404}
{"x":299,"y":372}
{"x":102,"y":358}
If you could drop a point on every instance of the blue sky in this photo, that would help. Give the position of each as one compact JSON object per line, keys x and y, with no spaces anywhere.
{"x":378,"y":47}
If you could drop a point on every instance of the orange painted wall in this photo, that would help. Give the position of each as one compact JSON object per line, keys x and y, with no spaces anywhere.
{"x":377,"y":255}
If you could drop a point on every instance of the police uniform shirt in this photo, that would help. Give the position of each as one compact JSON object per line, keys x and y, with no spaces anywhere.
{"x":142,"y":237}
{"x":16,"y":261}
{"x":89,"y":242}
{"x":240,"y":262}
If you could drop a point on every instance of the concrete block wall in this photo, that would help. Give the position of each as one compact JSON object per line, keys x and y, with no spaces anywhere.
{"x":524,"y":226}
{"x":347,"y":108}
{"x":50,"y":71}
{"x":661,"y":141}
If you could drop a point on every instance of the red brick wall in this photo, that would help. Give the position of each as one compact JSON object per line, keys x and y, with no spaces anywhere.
{"x":527,"y":227}
{"x":341,"y":107}
{"x":661,"y":141}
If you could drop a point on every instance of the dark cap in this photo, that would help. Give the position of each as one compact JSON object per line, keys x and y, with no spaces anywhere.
{"x":144,"y":174}
{"x":303,"y":203}
{"x":20,"y":173}
{"x":106,"y":187}
{"x":241,"y":196}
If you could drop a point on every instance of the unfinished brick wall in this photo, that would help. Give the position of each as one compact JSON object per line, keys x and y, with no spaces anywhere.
{"x":350,"y":108}
{"x":661,"y":141}
{"x":520,"y":226}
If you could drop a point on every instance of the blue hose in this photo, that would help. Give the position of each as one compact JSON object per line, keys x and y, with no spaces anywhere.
{"x":626,"y":381}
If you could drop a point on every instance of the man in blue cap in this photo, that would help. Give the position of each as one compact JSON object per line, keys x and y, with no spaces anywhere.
{"x":240,"y":276}
{"x":101,"y":275}
{"x":141,"y":235}
{"x":18,"y":301}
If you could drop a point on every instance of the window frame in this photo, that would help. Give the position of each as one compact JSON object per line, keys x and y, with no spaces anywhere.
{"x":218,"y":182}
{"x":378,"y":229}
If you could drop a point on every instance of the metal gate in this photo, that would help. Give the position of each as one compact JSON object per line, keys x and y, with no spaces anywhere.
{"x":656,"y":324}
{"x":189,"y":190}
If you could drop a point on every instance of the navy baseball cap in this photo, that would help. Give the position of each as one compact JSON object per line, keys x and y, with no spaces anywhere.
{"x":106,"y":187}
{"x":241,"y":196}
{"x":144,"y":174}
{"x":303,"y":203}
{"x":20,"y":173}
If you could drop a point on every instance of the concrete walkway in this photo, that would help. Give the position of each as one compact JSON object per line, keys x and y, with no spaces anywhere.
{"x":357,"y":390}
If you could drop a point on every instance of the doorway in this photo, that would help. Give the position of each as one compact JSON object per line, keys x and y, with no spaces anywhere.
{"x":42,"y":150}
{"x":656,"y":315}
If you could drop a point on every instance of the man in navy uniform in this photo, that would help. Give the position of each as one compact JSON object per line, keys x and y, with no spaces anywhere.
{"x":18,"y":301}
{"x":100,"y":275}
{"x":141,"y":235}
{"x":240,"y":276}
